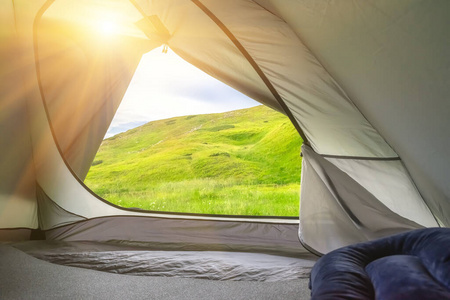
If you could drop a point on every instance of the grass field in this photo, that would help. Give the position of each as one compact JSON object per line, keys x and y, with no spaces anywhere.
{"x":243,"y":162}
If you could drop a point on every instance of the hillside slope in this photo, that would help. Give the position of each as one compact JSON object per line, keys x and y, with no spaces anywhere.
{"x":240,"y":162}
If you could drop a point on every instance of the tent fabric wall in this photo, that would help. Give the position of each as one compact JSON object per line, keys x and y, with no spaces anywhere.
{"x":186,"y":234}
{"x":391,"y":58}
{"x":15,"y":234}
{"x":340,"y":69}
{"x":388,"y":181}
{"x":340,"y":211}
{"x":50,"y":213}
{"x":18,"y":207}
{"x":318,"y":104}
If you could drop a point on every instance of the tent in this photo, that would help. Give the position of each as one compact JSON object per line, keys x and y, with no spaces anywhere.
{"x":366,"y":84}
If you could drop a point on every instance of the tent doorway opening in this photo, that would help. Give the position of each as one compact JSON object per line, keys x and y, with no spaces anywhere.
{"x":184,"y":142}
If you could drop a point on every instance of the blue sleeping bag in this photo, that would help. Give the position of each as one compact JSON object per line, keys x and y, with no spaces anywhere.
{"x":411,"y":265}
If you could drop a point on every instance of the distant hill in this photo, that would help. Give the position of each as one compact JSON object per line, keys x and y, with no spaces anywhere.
{"x":240,"y":162}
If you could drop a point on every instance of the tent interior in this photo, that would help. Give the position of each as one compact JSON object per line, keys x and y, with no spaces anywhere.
{"x":365,"y":83}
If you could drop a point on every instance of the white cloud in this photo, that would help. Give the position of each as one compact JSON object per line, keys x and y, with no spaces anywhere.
{"x":166,"y":86}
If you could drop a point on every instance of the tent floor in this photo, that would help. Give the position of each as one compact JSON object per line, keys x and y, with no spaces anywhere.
{"x":142,"y":260}
{"x":25,"y":277}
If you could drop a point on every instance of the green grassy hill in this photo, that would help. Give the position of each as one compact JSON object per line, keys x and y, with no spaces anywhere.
{"x":243,"y":162}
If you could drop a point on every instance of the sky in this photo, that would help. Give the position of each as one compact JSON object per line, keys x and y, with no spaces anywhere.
{"x":165,"y":86}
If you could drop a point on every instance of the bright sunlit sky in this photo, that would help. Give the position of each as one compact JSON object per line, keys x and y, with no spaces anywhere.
{"x":166,"y":86}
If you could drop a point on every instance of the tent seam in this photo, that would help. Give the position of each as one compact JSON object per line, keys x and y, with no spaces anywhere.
{"x":157,"y":217}
{"x":358,"y":157}
{"x":255,"y":66}
{"x":18,"y":228}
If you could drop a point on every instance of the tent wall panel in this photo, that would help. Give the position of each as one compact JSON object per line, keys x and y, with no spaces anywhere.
{"x":51,"y":172}
{"x":17,"y":234}
{"x":330,"y":121}
{"x":388,"y":181}
{"x":17,"y":178}
{"x":51,"y":214}
{"x":335,"y":210}
{"x":391,"y":58}
{"x":185,"y":234}
{"x":18,"y":206}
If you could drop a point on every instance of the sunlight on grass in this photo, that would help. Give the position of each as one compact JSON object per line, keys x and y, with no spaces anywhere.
{"x":244,"y":162}
{"x":210,"y":196}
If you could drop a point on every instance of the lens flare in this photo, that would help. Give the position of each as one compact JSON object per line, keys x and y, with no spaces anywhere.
{"x":107,"y":27}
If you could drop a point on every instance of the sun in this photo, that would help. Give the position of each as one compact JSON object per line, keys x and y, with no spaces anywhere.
{"x":107,"y":27}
